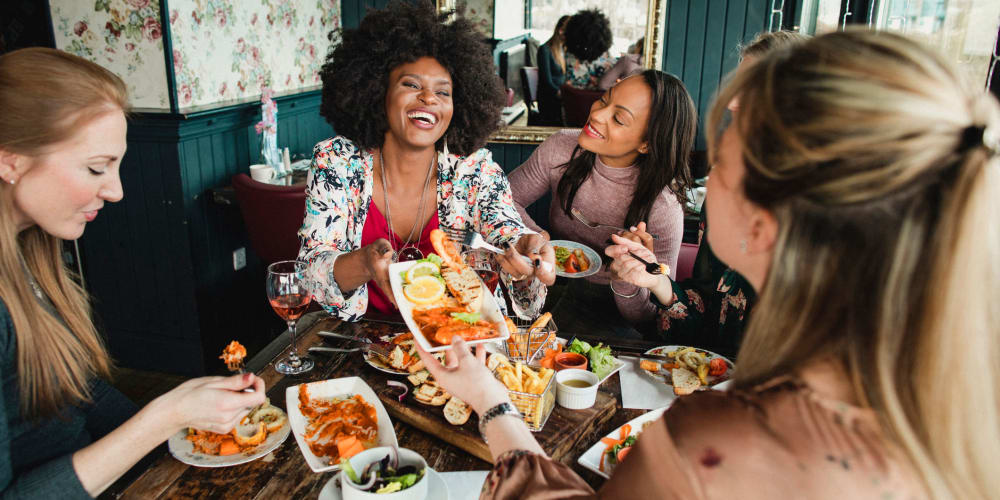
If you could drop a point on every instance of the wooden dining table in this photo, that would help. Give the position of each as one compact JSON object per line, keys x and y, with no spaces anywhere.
{"x":284,"y":472}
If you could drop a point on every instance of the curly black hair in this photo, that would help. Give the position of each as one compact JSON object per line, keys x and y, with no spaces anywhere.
{"x":588,"y":34}
{"x":356,"y":74}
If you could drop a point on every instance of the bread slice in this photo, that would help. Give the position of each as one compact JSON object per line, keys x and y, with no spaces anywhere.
{"x":431,"y":394}
{"x":456,"y":412}
{"x":496,"y":359}
{"x":419,"y":377}
{"x":465,"y":285}
{"x":685,"y":381}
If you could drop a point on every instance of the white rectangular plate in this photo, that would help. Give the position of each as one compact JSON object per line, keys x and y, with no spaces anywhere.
{"x":490,"y":311}
{"x":337,"y":387}
{"x":591,"y":459}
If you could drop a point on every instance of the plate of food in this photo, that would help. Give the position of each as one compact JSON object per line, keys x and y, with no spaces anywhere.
{"x":689,"y":369}
{"x":260,"y":432}
{"x":335,"y":419}
{"x":575,"y":260}
{"x":403,"y":358}
{"x":440,"y":297}
{"x":605,"y":454}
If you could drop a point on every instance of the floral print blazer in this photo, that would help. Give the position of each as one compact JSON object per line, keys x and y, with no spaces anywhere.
{"x":472,"y":193}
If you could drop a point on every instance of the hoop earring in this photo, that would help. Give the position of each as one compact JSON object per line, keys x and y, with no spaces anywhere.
{"x":11,"y":182}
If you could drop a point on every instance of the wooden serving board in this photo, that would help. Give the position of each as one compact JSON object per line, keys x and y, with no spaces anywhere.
{"x":560,"y":435}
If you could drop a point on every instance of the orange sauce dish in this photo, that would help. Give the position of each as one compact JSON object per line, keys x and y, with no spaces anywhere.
{"x":338,"y":427}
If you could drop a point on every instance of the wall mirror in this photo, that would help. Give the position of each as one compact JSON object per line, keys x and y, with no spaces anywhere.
{"x":509,"y":23}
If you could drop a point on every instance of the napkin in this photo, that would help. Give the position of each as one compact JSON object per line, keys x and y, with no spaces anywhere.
{"x":639,"y":391}
{"x":464,"y":485}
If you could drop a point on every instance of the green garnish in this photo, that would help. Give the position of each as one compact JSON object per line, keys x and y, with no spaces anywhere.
{"x":345,"y":464}
{"x":470,"y":318}
{"x":562,"y":254}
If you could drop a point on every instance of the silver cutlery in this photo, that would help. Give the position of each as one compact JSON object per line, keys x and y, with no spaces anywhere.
{"x":594,"y":225}
{"x":473,"y":239}
{"x":651,"y":267}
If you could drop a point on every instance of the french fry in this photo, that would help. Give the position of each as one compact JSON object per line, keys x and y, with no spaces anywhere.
{"x":546,"y":374}
{"x":517,"y":370}
{"x":540,"y":322}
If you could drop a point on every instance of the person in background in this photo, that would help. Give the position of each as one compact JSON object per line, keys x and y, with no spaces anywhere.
{"x":414,"y":99}
{"x":711,"y":308}
{"x":629,"y":164}
{"x":551,"y":75}
{"x":627,"y":65}
{"x":588,"y":38}
{"x":64,"y":431}
{"x":869,"y":227}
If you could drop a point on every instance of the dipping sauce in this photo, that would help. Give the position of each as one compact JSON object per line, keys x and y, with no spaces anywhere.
{"x":577,"y":383}
{"x":565,"y":360}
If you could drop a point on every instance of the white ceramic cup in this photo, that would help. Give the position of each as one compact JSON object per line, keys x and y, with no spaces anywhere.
{"x":576,"y":398}
{"x":418,"y":491}
{"x":261,"y":172}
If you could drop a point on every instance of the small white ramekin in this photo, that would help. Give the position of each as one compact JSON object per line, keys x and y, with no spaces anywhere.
{"x":576,"y":398}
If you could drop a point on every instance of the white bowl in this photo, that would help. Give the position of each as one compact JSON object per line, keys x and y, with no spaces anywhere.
{"x":406,"y":457}
{"x":576,"y":398}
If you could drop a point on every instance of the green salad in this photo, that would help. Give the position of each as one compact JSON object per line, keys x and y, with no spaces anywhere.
{"x":601,"y":362}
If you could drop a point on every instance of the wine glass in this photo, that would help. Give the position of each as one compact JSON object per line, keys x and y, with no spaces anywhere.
{"x":288,"y":292}
{"x":482,"y":264}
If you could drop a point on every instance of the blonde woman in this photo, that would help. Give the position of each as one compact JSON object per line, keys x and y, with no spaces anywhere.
{"x":64,"y":432}
{"x":551,"y":75}
{"x":857,"y":190}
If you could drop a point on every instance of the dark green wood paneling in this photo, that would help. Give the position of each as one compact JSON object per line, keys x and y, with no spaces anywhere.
{"x":701,"y":44}
{"x":511,"y":156}
{"x":159,"y":263}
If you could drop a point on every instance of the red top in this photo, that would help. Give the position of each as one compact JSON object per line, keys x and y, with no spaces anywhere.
{"x":376,"y":227}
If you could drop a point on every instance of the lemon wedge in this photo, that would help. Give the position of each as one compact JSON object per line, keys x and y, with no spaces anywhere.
{"x":421,"y":269}
{"x":424,"y":290}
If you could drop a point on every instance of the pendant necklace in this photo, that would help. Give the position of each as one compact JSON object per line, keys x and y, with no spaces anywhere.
{"x":408,"y":251}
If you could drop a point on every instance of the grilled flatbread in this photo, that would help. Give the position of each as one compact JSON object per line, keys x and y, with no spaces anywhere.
{"x":685,"y":381}
{"x":465,"y":285}
{"x":430,"y":393}
{"x":456,"y":412}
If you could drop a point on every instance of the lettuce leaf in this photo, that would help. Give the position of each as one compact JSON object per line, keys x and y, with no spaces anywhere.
{"x":601,"y":360}
{"x":578,"y":346}
{"x":470,"y":318}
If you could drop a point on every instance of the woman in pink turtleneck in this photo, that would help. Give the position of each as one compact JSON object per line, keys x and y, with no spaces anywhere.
{"x":628,"y":167}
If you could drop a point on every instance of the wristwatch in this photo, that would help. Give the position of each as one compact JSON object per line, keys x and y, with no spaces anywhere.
{"x":499,"y":410}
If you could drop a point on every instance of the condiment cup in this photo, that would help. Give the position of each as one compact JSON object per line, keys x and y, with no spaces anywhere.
{"x":576,"y":398}
{"x":570,"y":360}
{"x":351,"y":491}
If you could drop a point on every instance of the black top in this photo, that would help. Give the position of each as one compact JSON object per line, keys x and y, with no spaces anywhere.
{"x":550,"y":78}
{"x":36,"y":455}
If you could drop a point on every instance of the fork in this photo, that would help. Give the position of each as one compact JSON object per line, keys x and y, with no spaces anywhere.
{"x":594,"y":225}
{"x":651,"y":267}
{"x":380,"y":349}
{"x":473,"y":239}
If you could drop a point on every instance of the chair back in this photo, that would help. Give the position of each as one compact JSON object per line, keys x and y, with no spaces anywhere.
{"x":529,"y":79}
{"x":273,"y":216}
{"x":576,"y":104}
{"x":685,"y":260}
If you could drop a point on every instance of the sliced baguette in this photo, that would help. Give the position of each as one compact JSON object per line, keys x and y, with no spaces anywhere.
{"x":685,"y":381}
{"x":456,"y":412}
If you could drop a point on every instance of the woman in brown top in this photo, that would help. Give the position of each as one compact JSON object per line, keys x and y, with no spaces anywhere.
{"x":857,"y":162}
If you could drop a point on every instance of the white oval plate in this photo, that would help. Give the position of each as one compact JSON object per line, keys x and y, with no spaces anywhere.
{"x":592,"y":256}
{"x":183,"y":450}
{"x":437,"y":489}
{"x":337,"y":387}
{"x":665,"y":377}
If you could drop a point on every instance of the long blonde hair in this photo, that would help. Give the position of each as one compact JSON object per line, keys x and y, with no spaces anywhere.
{"x":869,"y":151}
{"x":46,"y":96}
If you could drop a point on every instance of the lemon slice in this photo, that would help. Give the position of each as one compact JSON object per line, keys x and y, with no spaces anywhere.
{"x":424,"y":289}
{"x":421,"y":269}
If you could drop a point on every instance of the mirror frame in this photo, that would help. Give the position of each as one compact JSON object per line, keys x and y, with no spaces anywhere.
{"x":652,"y":58}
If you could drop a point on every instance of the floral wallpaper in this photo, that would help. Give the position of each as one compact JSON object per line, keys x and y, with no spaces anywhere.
{"x":480,"y":12}
{"x":225,"y":50}
{"x":125,"y":36}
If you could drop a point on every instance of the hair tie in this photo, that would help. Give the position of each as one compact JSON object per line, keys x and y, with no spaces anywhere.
{"x":975,"y":136}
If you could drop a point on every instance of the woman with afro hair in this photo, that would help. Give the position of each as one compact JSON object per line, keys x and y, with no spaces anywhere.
{"x":413,"y":100}
{"x":588,"y":38}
